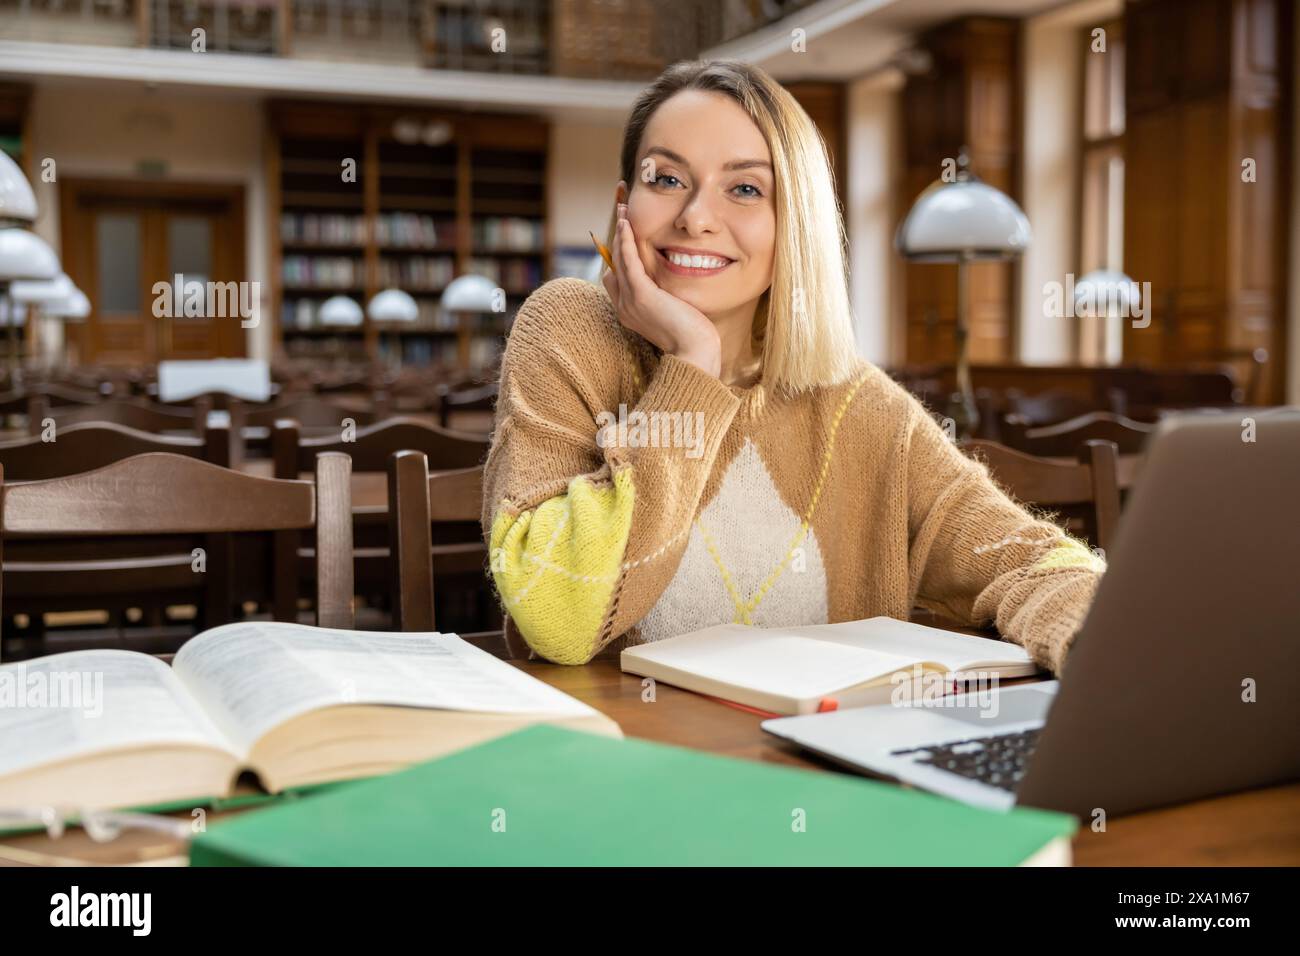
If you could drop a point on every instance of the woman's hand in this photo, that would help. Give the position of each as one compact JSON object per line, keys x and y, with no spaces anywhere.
{"x":657,"y":316}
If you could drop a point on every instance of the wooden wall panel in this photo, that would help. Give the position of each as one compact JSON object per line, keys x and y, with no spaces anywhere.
{"x":1212,"y":243}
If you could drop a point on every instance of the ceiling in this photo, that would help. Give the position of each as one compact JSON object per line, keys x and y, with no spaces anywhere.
{"x":846,"y":39}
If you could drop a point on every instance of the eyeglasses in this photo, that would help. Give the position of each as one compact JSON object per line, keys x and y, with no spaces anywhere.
{"x":102,"y":826}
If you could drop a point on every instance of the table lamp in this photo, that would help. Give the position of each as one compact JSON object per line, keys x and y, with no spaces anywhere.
{"x":1104,"y":294}
{"x":963,"y":221}
{"x":339,"y":311}
{"x":466,"y":294}
{"x":393,"y":307}
{"x":23,"y":256}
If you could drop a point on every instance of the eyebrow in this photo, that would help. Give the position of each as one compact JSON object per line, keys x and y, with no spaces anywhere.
{"x":734,"y":164}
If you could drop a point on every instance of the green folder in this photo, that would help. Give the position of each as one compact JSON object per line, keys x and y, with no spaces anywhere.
{"x":552,"y":797}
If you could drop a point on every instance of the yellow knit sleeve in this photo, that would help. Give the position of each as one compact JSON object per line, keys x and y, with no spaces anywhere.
{"x":564,"y":556}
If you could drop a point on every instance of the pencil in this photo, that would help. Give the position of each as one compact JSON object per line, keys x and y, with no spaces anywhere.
{"x":602,"y":249}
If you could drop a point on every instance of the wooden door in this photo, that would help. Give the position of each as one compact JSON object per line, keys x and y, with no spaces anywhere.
{"x":163,"y":266}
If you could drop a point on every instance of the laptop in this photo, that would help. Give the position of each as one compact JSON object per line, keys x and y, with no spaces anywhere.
{"x":1184,"y":681}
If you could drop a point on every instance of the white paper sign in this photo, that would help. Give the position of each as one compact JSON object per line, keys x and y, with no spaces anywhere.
{"x":249,"y":379}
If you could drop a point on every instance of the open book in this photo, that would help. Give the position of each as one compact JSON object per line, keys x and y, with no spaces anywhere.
{"x":799,"y":670}
{"x":295,"y":704}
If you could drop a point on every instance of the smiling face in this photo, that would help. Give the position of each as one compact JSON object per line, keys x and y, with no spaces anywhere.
{"x":705,"y":222}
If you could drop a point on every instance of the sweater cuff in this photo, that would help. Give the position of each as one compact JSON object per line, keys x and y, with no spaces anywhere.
{"x":1058,"y":616}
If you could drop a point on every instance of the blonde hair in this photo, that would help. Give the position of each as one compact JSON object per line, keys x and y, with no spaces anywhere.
{"x":803,"y":325}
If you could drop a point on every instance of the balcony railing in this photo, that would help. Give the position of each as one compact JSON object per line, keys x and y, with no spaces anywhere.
{"x":607,"y":39}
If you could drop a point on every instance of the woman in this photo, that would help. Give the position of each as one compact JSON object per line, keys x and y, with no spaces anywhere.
{"x":698,"y":443}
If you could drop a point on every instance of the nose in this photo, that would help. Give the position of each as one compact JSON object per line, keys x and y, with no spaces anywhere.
{"x":698,"y":216}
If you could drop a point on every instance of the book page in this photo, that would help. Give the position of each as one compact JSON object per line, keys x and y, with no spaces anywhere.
{"x":251,"y":677}
{"x":67,"y":705}
{"x":916,"y":642}
{"x":772,"y":660}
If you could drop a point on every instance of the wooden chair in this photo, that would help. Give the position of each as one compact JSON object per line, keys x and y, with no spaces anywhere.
{"x":94,"y":444}
{"x":311,"y":411}
{"x":417,"y":502}
{"x":29,"y":401}
{"x":216,"y":398}
{"x":1049,"y":407}
{"x":1087,"y":489}
{"x":370,"y":448}
{"x":175,"y":495}
{"x":1065,"y":438}
{"x":110,"y":575}
{"x":138,"y":414}
{"x":483,"y":398}
{"x":317,"y":418}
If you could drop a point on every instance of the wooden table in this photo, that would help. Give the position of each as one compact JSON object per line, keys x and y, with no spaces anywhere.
{"x":1257,"y":828}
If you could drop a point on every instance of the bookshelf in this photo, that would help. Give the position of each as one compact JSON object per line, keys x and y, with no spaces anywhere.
{"x":436,"y":195}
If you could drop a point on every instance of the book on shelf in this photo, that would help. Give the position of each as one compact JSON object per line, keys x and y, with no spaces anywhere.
{"x":508,"y":234}
{"x":339,"y":272}
{"x":417,"y":272}
{"x":514,"y":275}
{"x":326,"y":229}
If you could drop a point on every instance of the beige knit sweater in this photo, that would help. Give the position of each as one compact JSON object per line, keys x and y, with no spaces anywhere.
{"x":631,"y":496}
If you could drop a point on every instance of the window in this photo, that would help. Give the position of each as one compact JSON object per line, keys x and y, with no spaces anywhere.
{"x":1101,"y":220}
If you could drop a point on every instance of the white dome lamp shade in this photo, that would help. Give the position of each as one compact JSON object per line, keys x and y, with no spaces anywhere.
{"x":470,"y":293}
{"x":341,"y":312}
{"x":25,"y":255}
{"x":17,"y":201}
{"x":963,"y":221}
{"x":393,"y":305}
{"x":74,"y":308}
{"x":1105,"y":295}
{"x":42,"y":292}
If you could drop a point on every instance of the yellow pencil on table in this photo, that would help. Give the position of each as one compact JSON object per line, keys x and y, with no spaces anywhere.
{"x":602,"y":249}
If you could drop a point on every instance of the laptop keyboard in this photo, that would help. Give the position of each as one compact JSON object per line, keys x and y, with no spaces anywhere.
{"x":998,"y":761}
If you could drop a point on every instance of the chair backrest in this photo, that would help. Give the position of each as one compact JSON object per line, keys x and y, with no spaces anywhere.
{"x":23,"y":401}
{"x":1092,"y":481}
{"x":138,"y":414}
{"x":417,"y":501}
{"x":1047,"y":408}
{"x":480,"y":399}
{"x":174,"y":494}
{"x":372,"y":446}
{"x":1066,"y":438}
{"x":90,"y":445}
{"x":310,"y":411}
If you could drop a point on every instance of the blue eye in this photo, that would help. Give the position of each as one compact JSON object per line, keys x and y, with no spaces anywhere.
{"x":754,"y":191}
{"x":662,"y":176}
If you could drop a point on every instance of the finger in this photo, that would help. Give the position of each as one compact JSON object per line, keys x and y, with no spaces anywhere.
{"x":616,"y":253}
{"x":634,"y":273}
{"x":610,"y":282}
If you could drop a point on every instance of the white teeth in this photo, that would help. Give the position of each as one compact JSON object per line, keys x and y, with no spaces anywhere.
{"x":696,"y":262}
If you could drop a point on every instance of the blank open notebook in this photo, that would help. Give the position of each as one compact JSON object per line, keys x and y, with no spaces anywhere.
{"x":794,"y":670}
